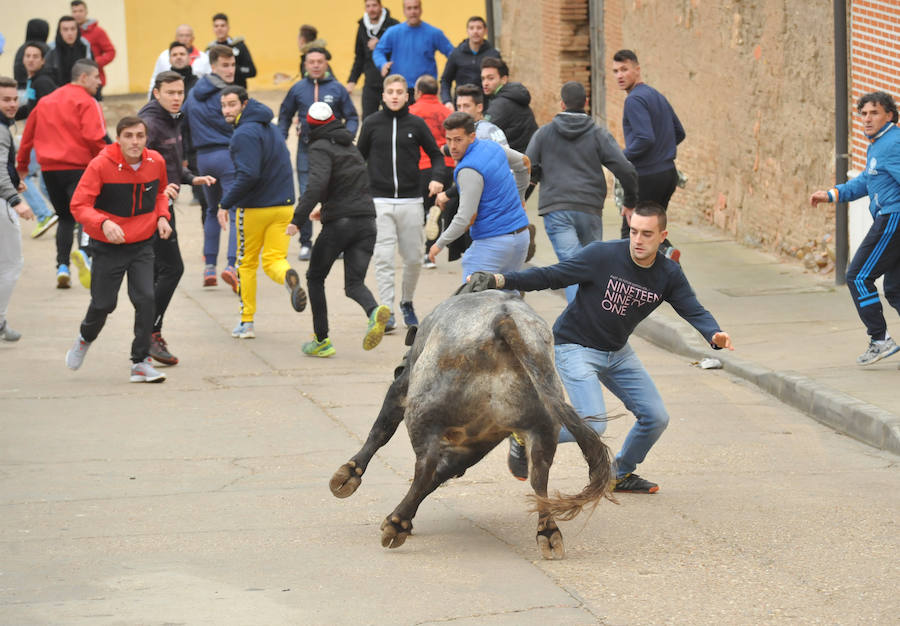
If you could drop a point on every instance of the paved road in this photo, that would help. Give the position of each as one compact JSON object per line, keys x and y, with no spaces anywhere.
{"x":204,"y":500}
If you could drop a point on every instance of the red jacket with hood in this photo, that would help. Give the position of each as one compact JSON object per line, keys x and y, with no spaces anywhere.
{"x":111,"y":190}
{"x":102,"y":48}
{"x":66,"y":129}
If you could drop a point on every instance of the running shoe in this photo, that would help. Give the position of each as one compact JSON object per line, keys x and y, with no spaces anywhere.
{"x":432,"y":223}
{"x":82,"y":262}
{"x":244,"y":330}
{"x":305,"y":252}
{"x":409,"y":314}
{"x":632,"y":483}
{"x":144,"y":372}
{"x":292,"y":284}
{"x":878,"y":350}
{"x":315,"y":347}
{"x":75,"y":356}
{"x":62,"y":277}
{"x":159,"y":350}
{"x":44,"y":225}
{"x":378,"y":321}
{"x":428,"y":264}
{"x":209,"y":276}
{"x":8,"y":334}
{"x":230,"y":277}
{"x":517,"y":459}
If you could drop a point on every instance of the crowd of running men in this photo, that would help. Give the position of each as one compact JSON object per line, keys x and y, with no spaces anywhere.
{"x":432,"y":163}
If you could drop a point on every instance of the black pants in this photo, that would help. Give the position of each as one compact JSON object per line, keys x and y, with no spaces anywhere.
{"x":61,"y":186}
{"x":656,"y":188}
{"x":355,"y":237}
{"x":110,"y":264}
{"x":167,"y":270}
{"x":371,"y":99}
{"x":877,"y":255}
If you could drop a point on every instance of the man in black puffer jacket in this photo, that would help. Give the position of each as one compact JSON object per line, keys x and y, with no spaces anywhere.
{"x":338,"y":179}
{"x":507,"y":104}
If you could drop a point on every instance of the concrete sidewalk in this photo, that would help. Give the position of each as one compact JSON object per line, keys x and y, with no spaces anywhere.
{"x":797,"y":335}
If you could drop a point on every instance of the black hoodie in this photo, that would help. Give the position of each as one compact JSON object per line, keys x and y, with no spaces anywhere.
{"x":37,"y":31}
{"x":509,"y":110}
{"x":42,"y":83}
{"x":337,"y":177}
{"x":464,"y":67}
{"x":389,"y":142}
{"x":63,"y":56}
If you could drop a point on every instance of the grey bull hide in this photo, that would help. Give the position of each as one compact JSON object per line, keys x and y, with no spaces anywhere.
{"x":480,"y":368}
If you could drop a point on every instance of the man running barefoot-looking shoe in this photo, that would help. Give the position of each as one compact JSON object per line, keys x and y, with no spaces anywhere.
{"x":262,"y":201}
{"x":879,"y":252}
{"x":337,"y":179}
{"x":121,"y":201}
{"x":619,"y":284}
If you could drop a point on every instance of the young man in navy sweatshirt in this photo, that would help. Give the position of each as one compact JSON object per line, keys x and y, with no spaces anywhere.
{"x":619,"y":284}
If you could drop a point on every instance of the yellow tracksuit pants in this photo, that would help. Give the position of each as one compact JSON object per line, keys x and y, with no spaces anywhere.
{"x":261,"y":230}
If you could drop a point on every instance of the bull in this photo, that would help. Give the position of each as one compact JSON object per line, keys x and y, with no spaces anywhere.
{"x":480,"y":368}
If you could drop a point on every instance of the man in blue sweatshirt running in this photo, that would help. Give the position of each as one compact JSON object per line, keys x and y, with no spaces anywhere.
{"x":620,"y":283}
{"x":879,"y":252}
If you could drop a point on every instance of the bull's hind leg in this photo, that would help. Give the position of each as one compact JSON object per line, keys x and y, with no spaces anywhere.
{"x":438,"y":464}
{"x":542,"y":450}
{"x":348,"y":477}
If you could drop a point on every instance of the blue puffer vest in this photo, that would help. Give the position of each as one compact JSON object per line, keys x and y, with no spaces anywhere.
{"x":500,"y":210}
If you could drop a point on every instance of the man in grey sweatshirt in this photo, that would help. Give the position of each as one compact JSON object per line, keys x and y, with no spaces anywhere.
{"x":567,"y":158}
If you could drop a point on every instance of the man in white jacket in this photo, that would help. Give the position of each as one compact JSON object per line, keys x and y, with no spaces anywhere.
{"x":199,"y":59}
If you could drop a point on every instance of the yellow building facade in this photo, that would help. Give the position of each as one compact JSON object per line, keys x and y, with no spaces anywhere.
{"x":141,"y":29}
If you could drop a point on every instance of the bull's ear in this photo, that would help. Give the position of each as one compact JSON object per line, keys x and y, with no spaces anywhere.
{"x":411,"y":335}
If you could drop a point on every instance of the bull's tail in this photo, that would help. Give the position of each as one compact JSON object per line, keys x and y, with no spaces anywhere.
{"x":596,"y":453}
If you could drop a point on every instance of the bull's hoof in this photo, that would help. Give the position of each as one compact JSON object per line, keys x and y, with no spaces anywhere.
{"x":346,"y":480}
{"x":394,"y":531}
{"x":550,"y":542}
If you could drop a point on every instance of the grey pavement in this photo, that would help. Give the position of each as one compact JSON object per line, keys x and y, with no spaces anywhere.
{"x":204,"y":500}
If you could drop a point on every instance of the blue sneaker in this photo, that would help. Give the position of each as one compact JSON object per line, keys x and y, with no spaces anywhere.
{"x":244,"y":330}
{"x":409,"y":314}
{"x":62,"y":277}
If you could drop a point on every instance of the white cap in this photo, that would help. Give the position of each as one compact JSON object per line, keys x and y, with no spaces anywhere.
{"x":320,"y":111}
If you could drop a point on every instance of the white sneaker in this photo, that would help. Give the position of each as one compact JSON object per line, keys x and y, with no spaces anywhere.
{"x":8,"y":334}
{"x":878,"y":350}
{"x":304,"y":253}
{"x":144,"y":372}
{"x":75,"y":356}
{"x":432,"y":224}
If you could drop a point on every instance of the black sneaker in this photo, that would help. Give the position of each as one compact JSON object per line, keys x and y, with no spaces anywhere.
{"x":292,"y":284}
{"x":632,"y":483}
{"x":517,"y":459}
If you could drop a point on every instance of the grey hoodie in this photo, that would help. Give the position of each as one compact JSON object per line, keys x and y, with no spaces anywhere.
{"x":567,"y":158}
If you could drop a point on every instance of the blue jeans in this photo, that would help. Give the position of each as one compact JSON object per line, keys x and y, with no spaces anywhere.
{"x":32,"y":194}
{"x":302,"y":180}
{"x":582,"y":371}
{"x":569,"y":232}
{"x":503,"y":253}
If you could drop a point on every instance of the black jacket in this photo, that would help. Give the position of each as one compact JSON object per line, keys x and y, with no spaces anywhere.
{"x":509,"y":110}
{"x":62,"y":56}
{"x":337,"y":177}
{"x":42,"y":83}
{"x":394,"y":169}
{"x":244,"y":67}
{"x":363,"y":62}
{"x":164,"y":136}
{"x":464,"y":67}
{"x":36,"y":31}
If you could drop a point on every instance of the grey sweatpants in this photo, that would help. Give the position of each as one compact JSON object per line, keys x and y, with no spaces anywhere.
{"x":11,"y":259}
{"x":401,"y":226}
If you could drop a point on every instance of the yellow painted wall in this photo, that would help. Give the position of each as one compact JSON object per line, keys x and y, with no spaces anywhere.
{"x":109,"y":13}
{"x":270,"y":29}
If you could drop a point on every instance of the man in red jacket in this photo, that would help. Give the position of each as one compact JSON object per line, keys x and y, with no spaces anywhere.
{"x":66,"y":130}
{"x":121,"y":201}
{"x":102,"y":48}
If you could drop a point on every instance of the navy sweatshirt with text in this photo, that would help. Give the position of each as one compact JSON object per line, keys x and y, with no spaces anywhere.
{"x":614,"y":295}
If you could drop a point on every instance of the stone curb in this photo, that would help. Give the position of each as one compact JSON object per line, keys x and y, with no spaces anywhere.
{"x":863,"y":421}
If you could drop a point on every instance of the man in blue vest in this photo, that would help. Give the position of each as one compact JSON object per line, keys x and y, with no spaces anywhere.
{"x":492,"y":180}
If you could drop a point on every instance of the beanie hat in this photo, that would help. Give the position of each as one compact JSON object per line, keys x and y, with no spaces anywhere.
{"x":319,"y":114}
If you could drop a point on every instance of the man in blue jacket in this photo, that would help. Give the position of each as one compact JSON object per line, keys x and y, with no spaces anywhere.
{"x":318,"y":85}
{"x":211,"y":135}
{"x":879,"y":253}
{"x":411,"y":47}
{"x":261,"y":201}
{"x":619,"y":284}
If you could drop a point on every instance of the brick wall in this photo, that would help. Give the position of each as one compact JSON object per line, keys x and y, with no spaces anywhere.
{"x":874,"y":60}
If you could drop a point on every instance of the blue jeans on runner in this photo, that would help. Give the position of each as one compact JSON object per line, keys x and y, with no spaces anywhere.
{"x":582,"y":371}
{"x":32,"y":194}
{"x":217,"y":163}
{"x":569,"y":232}
{"x":503,"y":253}
{"x":302,"y":179}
